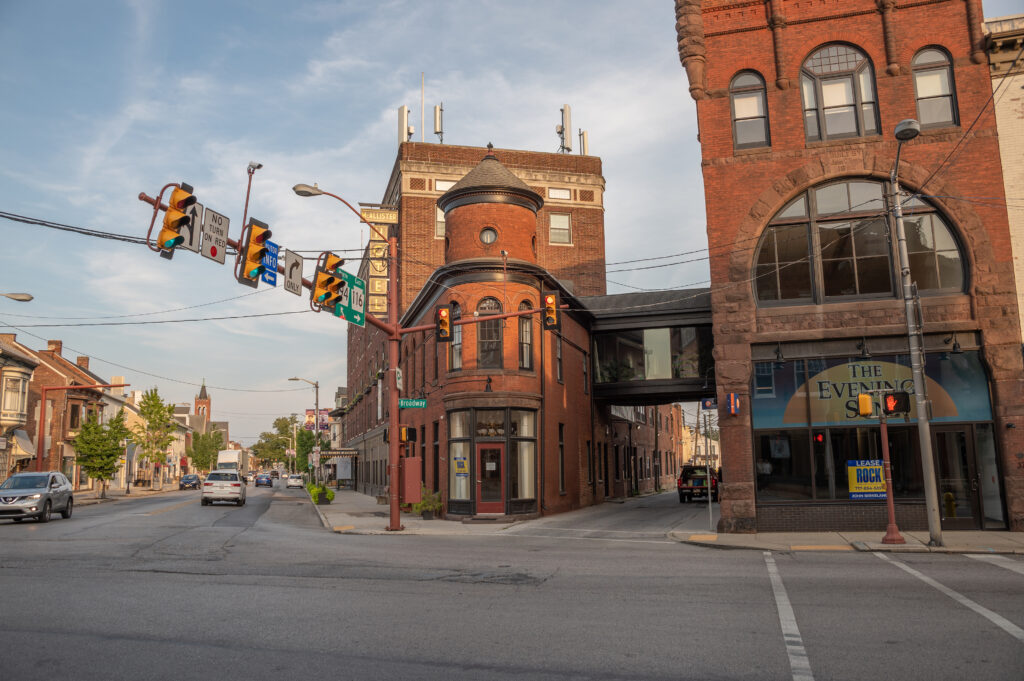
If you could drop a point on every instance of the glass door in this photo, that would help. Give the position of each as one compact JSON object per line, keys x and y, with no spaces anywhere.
{"x":955,"y":468}
{"x":490,"y":484}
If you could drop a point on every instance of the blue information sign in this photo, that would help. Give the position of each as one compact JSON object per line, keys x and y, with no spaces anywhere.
{"x":270,"y":262}
{"x":709,"y":403}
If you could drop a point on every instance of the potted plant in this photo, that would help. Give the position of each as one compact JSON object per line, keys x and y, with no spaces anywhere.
{"x":320,"y":494}
{"x":429,"y":504}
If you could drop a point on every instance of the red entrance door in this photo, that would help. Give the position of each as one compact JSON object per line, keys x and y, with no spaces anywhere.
{"x":490,"y":478}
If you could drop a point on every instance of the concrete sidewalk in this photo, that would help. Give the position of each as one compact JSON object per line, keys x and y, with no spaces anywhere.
{"x":959,"y":541}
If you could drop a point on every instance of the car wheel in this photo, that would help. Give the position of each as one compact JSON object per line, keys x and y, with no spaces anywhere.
{"x":204,"y":501}
{"x":17,"y":520}
{"x":44,"y":517}
{"x":682,"y":499}
{"x":66,"y":513}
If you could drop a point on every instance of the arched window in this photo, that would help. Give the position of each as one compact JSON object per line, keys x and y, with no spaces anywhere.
{"x":488,"y":335}
{"x":933,"y":85}
{"x":837,"y":84}
{"x":832,"y":243}
{"x":525,"y":337}
{"x":749,"y":111}
{"x":455,"y":351}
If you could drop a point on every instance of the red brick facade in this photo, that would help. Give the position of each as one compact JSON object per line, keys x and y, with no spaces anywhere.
{"x":745,"y":188}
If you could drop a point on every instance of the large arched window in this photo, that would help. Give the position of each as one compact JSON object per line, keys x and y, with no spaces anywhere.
{"x":837,"y":84}
{"x":832,"y":243}
{"x":525,"y":337}
{"x":488,"y":335}
{"x":933,"y":85}
{"x":455,"y":351}
{"x":749,"y":111}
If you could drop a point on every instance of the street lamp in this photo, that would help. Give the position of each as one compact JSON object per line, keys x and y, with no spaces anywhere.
{"x":20,"y":297}
{"x":907,"y":130}
{"x":316,"y":416}
{"x":394,"y":333}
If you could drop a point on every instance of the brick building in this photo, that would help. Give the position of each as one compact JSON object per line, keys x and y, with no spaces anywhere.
{"x":510,"y":426}
{"x":797,"y":103}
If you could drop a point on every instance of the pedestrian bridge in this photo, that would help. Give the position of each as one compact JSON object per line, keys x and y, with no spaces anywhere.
{"x":652,"y":348}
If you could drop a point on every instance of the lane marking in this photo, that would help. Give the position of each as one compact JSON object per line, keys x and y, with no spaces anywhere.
{"x":342,"y":528}
{"x":703,"y":537}
{"x":799,"y":664}
{"x":1001,"y":561}
{"x":998,"y":620}
{"x":183,"y":504}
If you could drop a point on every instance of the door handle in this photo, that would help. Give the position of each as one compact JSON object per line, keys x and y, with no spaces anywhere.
{"x":974,"y":485}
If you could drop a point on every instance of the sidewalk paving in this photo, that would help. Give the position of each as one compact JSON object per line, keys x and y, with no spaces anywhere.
{"x":353,"y":512}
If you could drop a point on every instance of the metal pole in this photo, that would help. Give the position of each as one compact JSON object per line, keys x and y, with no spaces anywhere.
{"x":316,"y":429}
{"x":707,"y":462}
{"x":892,"y":533}
{"x":394,"y":336}
{"x":931,"y":492}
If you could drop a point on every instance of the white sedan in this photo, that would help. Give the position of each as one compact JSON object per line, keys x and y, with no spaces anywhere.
{"x":295,"y":481}
{"x":223,"y":486}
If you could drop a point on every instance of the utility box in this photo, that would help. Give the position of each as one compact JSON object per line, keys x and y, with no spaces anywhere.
{"x":411,"y":469}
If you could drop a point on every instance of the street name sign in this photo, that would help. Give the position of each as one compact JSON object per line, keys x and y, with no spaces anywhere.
{"x":193,"y":228}
{"x":351,"y":305}
{"x":215,"y":235}
{"x":292,"y":272}
{"x":412,"y":403}
{"x":269,"y":275}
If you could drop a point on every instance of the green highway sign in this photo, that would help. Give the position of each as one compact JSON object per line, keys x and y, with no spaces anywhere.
{"x":352,"y":302}
{"x":412,"y":403}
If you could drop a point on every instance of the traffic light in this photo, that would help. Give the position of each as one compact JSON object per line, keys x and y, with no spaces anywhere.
{"x":327,"y":282}
{"x":251,"y":252}
{"x":864,"y":404}
{"x":443,"y":323}
{"x":405,"y":434}
{"x":175,"y":218}
{"x":896,"y":403}
{"x":552,"y":313}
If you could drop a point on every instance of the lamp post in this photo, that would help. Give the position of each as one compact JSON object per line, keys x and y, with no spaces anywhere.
{"x":393,"y":331}
{"x":907,"y":130}
{"x":20,"y":297}
{"x":316,"y":417}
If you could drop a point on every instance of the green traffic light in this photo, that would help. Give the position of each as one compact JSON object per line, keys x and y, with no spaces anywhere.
{"x":171,"y":243}
{"x":255,"y":272}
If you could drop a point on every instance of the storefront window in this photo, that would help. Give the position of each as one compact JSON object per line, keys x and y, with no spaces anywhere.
{"x":490,"y":422}
{"x":523,"y":423}
{"x":458,"y":481}
{"x":458,"y":424}
{"x":988,"y":471}
{"x":522,"y":469}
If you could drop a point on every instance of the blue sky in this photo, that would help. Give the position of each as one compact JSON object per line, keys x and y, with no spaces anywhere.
{"x":103,"y":100}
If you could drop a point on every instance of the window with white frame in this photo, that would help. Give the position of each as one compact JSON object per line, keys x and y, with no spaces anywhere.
{"x":933,"y":85}
{"x":837,"y":84}
{"x":438,"y":223}
{"x":561,"y":229}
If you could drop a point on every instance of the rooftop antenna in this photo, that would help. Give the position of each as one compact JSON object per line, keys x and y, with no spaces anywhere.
{"x":423,"y":110}
{"x":405,"y":131}
{"x":564,"y":131}
{"x":584,"y":143}
{"x":439,"y":122}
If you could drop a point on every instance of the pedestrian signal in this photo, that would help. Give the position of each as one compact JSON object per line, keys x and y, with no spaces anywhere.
{"x":175,"y":218}
{"x":251,"y":252}
{"x":443,"y":323}
{"x":552,"y":313}
{"x":864,"y":404}
{"x":896,"y":403}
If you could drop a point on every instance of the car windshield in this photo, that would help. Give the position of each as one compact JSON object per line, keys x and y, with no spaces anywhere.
{"x":223,"y":476}
{"x":25,"y":482}
{"x":295,"y":477}
{"x":190,"y":477}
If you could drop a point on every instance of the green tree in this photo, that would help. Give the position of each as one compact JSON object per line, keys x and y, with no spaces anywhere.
{"x":156,"y":433}
{"x":100,"y":446}
{"x":272,"y":445}
{"x":203,"y":451}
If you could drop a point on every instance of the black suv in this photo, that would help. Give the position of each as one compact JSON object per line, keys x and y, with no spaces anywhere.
{"x":190,"y":481}
{"x":693,"y":482}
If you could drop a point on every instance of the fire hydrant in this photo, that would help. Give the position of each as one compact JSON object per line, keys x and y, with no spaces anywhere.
{"x":949,"y":501}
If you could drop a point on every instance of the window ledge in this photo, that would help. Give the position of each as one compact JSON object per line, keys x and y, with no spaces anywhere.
{"x":753,"y":151}
{"x":844,"y":141}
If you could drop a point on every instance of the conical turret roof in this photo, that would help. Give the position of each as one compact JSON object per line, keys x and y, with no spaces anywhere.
{"x":489,"y":176}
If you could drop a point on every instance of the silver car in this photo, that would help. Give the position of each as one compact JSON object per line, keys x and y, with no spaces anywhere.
{"x":36,"y":495}
{"x":223,"y":486}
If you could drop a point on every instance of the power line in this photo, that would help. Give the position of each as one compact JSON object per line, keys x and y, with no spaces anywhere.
{"x":161,"y":321}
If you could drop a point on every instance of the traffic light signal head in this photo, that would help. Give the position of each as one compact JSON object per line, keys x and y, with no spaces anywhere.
{"x":896,"y":403}
{"x":253,"y":248}
{"x":327,"y":282}
{"x":552,"y":315}
{"x":332,"y":263}
{"x":175,"y":218}
{"x":864,"y":404}
{"x":443,"y":323}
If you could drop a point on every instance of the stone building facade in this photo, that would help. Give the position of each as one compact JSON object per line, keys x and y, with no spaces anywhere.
{"x":797,"y":103}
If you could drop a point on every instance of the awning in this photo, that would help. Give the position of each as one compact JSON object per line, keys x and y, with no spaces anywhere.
{"x":22,"y":446}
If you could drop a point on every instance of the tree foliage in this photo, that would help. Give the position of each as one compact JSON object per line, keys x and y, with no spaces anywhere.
{"x":156,"y":433}
{"x":203,"y":451}
{"x":100,"y":446}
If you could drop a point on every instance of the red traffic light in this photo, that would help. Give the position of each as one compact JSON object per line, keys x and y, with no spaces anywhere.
{"x":819,"y":438}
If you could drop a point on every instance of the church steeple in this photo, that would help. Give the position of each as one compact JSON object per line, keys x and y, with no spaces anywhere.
{"x":202,"y":407}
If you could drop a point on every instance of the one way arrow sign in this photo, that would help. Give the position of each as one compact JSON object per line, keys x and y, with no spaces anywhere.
{"x":193,"y":228}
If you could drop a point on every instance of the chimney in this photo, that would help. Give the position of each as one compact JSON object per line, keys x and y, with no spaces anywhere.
{"x":83,"y":362}
{"x":115,"y":380}
{"x":8,"y":337}
{"x":55,"y":346}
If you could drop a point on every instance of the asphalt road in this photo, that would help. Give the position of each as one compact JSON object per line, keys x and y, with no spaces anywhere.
{"x":162,"y":588}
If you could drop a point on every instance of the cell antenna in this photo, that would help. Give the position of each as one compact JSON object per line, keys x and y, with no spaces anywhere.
{"x":584,"y":143}
{"x":403,"y":124}
{"x":439,"y":122}
{"x":564,"y":131}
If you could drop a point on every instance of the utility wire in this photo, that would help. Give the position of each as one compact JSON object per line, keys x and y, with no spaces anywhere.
{"x":160,"y":321}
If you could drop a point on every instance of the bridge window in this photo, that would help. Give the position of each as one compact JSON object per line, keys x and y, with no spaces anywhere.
{"x":832,"y":243}
{"x":681,"y":352}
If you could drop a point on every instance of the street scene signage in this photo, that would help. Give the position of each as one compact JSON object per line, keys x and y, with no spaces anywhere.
{"x":351,"y":304}
{"x":215,"y":235}
{"x":269,"y":275}
{"x":866,"y":479}
{"x":192,"y":229}
{"x":412,"y":403}
{"x":292,"y":272}
{"x":380,"y":216}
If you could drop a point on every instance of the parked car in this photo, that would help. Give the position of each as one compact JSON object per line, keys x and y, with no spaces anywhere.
{"x":295,"y":481}
{"x":189,"y":482}
{"x":36,"y":495}
{"x":693,"y":482}
{"x":264,"y":480}
{"x":223,"y":486}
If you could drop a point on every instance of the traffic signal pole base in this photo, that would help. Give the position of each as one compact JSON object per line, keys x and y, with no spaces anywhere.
{"x":893,"y":536}
{"x":892,"y":533}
